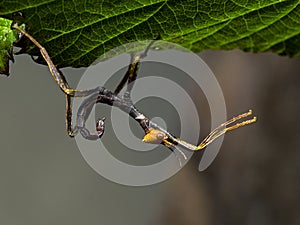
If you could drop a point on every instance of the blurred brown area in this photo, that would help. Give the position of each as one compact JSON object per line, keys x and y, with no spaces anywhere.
{"x":255,"y":178}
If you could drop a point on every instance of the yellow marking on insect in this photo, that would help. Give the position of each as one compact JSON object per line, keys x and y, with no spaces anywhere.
{"x":154,"y":136}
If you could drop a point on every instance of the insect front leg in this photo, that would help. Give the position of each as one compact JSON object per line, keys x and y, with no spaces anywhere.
{"x":100,"y":126}
{"x":82,"y":115}
{"x":60,"y":81}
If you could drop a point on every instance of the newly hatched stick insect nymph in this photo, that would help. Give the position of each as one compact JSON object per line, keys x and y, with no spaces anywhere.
{"x":153,"y":133}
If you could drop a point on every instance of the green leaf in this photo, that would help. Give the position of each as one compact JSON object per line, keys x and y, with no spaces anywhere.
{"x":76,"y":32}
{"x":7,"y":38}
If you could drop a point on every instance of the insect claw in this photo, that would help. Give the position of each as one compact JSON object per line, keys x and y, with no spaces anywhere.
{"x":100,"y":126}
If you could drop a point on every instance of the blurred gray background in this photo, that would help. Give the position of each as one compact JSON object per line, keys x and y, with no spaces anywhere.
{"x":255,"y":178}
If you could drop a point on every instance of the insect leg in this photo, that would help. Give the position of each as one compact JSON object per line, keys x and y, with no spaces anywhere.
{"x":125,"y":78}
{"x":57,"y":76}
{"x":220,"y":130}
{"x":132,"y":70}
{"x":100,"y":126}
{"x":83,"y":113}
{"x":60,"y":80}
{"x":135,"y":65}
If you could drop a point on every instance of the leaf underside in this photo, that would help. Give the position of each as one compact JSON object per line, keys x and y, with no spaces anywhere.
{"x":77,"y":32}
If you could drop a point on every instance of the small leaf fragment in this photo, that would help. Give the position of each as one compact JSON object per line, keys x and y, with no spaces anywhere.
{"x":7,"y":38}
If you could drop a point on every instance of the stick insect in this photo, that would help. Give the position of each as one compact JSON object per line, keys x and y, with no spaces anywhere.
{"x":153,"y":133}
